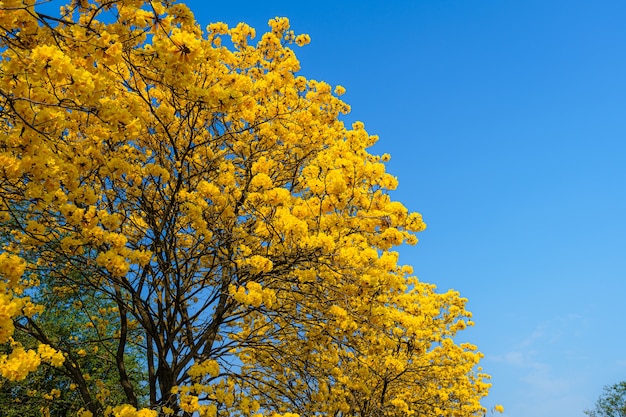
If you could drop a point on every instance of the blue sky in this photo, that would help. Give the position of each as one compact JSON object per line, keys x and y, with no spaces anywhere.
{"x":506,"y":125}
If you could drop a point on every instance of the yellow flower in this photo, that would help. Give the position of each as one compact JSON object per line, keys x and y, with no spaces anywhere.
{"x":279,"y":24}
{"x":11,"y":267}
{"x":303,"y":39}
{"x":188,"y":403}
{"x":19,"y":364}
{"x":50,"y":355}
{"x":210,"y":367}
{"x":84,"y":413}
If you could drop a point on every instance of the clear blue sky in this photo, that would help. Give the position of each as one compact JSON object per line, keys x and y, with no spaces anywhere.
{"x":506,"y":122}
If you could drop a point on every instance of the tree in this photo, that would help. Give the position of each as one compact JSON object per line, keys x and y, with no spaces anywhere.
{"x":239,"y":234}
{"x":612,"y":402}
{"x":87,"y":336}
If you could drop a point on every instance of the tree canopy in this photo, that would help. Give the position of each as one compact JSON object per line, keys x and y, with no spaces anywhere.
{"x":612,"y":402}
{"x":200,"y":211}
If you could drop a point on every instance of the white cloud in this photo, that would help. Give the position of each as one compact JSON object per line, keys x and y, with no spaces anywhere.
{"x":549,"y":379}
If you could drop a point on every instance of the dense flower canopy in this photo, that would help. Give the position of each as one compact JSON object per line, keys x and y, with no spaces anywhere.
{"x":202,"y":207}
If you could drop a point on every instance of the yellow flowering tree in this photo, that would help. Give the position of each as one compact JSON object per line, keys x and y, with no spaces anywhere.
{"x":240,"y":235}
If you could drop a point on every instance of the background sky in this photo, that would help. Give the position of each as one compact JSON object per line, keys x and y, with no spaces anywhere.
{"x":506,"y":122}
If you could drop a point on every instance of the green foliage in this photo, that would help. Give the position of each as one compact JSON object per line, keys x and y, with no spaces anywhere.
{"x":612,"y":402}
{"x":82,"y":326}
{"x":28,"y":398}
